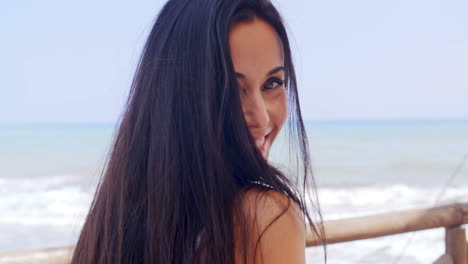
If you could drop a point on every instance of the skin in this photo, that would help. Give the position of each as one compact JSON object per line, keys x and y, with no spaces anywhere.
{"x":282,"y":242}
{"x":258,"y":59}
{"x":256,"y":50}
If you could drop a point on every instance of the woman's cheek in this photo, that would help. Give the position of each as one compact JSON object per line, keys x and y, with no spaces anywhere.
{"x":281,"y":109}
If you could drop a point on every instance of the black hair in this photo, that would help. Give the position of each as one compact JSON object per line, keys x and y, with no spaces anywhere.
{"x":182,"y":157}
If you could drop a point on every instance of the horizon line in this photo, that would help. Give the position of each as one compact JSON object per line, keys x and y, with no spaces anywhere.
{"x":305,"y":121}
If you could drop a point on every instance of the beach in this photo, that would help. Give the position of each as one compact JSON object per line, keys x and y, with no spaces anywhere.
{"x":56,"y":255}
{"x":49,"y":173}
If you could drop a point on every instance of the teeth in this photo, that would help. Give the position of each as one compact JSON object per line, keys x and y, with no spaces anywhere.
{"x":260,"y":142}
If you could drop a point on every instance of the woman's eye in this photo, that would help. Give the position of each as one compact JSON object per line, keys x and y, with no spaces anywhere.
{"x":273,"y":84}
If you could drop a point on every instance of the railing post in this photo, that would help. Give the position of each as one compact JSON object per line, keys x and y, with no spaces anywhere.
{"x":455,"y":244}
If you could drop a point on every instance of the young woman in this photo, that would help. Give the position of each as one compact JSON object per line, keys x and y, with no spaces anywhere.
{"x":187,"y":179}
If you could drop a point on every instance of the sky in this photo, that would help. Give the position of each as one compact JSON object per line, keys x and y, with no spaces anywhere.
{"x":73,"y":61}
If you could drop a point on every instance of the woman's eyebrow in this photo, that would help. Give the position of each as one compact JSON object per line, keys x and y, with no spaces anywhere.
{"x":275,"y":70}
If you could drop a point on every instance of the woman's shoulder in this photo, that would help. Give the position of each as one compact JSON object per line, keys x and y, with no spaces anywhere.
{"x":267,"y":204}
{"x":279,"y":227}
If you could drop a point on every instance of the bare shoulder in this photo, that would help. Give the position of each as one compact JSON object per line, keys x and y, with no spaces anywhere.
{"x":279,"y":227}
{"x":268,"y":205}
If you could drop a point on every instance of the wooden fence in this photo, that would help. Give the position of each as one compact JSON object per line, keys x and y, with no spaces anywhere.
{"x":451,"y":217}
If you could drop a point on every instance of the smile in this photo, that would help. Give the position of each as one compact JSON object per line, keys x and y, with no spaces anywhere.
{"x":261,"y":143}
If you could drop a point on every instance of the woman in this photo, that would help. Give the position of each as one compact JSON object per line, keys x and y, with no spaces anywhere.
{"x":188,"y":179}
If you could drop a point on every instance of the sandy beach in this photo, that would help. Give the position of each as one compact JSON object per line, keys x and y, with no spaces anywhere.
{"x":56,"y":255}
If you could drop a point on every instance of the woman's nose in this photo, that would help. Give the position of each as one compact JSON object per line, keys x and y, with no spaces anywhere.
{"x":256,"y":112}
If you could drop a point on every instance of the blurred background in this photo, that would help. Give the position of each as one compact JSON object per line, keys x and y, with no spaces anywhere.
{"x":383,"y":87}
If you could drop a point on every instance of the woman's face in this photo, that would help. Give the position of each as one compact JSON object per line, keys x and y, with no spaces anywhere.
{"x":257,"y":55}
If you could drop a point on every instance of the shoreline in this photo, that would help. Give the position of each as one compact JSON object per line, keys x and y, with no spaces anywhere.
{"x":52,"y":255}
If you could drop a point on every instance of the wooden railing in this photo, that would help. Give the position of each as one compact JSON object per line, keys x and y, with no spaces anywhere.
{"x":451,"y":217}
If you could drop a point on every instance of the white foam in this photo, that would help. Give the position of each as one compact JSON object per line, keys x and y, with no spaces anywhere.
{"x":57,"y":204}
{"x":44,"y":201}
{"x":412,"y":248}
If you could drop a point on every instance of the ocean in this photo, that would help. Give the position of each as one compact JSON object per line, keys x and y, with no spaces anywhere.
{"x":48,"y":174}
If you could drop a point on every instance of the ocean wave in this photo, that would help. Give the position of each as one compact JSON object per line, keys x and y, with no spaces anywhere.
{"x":54,"y":200}
{"x":339,"y":202}
{"x":57,"y":206}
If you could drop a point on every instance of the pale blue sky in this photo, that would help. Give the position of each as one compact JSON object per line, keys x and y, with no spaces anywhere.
{"x":72,"y":62}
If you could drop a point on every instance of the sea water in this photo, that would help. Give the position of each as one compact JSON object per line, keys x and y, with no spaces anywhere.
{"x":48,"y":175}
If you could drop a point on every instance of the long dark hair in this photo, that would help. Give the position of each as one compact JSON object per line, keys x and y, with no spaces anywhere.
{"x":182,"y":156}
